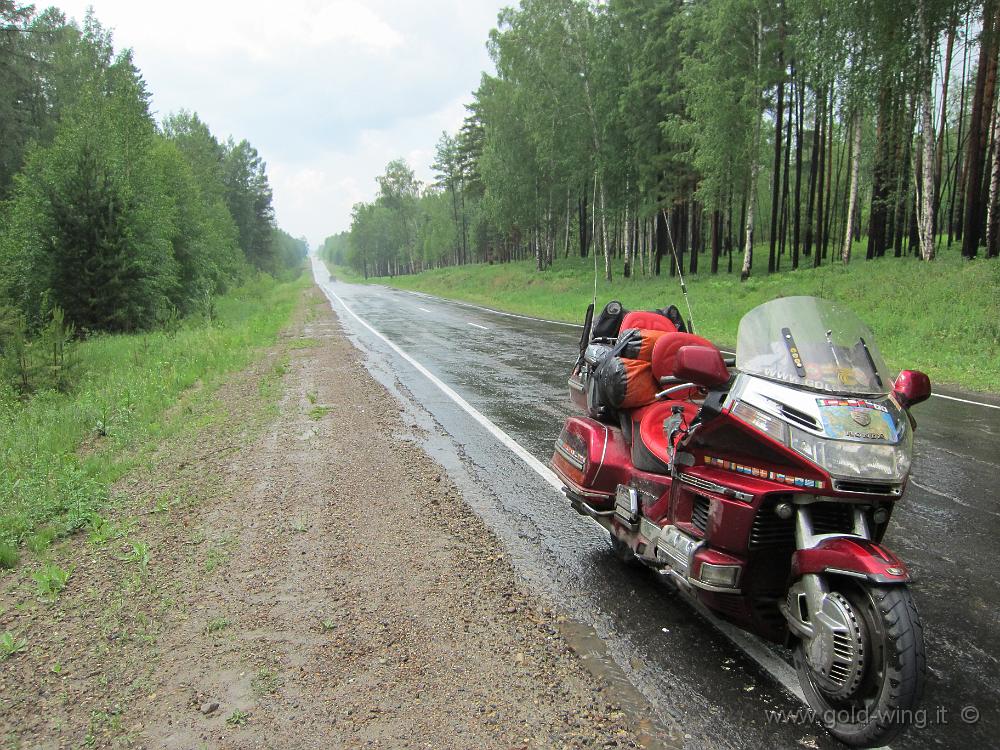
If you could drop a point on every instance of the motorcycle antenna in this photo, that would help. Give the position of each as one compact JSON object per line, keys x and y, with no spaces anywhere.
{"x":680,"y":274}
{"x":593,"y":249}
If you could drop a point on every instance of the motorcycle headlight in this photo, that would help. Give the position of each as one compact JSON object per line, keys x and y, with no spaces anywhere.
{"x":841,"y":458}
{"x":851,"y":459}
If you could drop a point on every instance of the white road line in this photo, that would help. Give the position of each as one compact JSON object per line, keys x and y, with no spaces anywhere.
{"x":477,"y":325}
{"x":778,"y":669}
{"x":425,"y":310}
{"x":537,"y":466}
{"x":966,"y":401}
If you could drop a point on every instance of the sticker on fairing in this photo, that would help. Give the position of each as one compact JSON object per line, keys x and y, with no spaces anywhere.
{"x":857,"y":419}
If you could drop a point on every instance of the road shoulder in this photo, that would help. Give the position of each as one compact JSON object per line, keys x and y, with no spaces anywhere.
{"x":313,"y":579}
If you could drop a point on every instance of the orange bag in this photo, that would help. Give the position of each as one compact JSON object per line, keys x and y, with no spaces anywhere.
{"x":626,"y":383}
{"x":642,"y":343}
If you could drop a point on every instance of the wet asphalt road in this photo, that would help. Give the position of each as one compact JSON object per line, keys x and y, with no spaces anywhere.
{"x":706,"y":692}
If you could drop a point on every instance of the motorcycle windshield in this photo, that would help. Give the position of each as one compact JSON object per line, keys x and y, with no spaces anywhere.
{"x":813,"y":343}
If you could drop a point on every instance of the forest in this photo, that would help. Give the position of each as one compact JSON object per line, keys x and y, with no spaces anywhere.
{"x":111,"y":221}
{"x":741,"y":136}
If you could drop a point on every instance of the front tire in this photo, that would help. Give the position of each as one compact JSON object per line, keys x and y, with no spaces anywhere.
{"x":895,"y":668}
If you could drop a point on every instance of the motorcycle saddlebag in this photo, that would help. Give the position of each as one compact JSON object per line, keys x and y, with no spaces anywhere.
{"x":592,"y":460}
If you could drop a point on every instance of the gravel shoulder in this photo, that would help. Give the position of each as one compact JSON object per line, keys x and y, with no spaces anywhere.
{"x":314,"y":580}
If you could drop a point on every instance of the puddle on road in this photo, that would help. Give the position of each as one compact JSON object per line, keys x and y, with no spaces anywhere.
{"x":594,"y":656}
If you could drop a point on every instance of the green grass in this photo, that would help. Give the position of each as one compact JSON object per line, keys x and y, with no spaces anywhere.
{"x":216,"y":624}
{"x":11,"y":645}
{"x":318,"y":412}
{"x":942,"y":318}
{"x":60,"y":453}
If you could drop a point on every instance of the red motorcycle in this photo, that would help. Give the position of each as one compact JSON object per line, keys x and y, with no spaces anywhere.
{"x":763,"y":486}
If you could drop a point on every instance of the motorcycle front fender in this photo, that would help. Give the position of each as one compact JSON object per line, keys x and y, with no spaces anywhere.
{"x":851,"y":556}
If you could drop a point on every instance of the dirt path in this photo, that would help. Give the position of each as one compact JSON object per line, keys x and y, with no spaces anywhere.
{"x":330,"y":589}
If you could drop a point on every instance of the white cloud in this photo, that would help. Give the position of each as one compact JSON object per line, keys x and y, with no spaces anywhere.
{"x":328,"y":91}
{"x":322,"y":192}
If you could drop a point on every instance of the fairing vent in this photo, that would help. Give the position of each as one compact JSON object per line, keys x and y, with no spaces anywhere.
{"x":868,"y":488}
{"x":769,"y":531}
{"x":699,"y":513}
{"x":798,"y":417}
{"x":832,"y":518}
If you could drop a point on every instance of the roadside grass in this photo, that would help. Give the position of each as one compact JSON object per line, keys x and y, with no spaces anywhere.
{"x":60,"y":453}
{"x":942,"y":318}
{"x":216,"y":624}
{"x":318,"y":412}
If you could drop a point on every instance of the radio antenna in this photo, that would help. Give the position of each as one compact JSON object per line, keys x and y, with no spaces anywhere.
{"x":680,"y":274}
{"x":593,"y":245}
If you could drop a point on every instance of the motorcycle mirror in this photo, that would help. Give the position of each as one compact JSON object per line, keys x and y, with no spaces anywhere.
{"x":911,"y":387}
{"x":702,"y":365}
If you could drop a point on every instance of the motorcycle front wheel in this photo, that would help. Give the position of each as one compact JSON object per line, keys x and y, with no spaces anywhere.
{"x":891,"y":678}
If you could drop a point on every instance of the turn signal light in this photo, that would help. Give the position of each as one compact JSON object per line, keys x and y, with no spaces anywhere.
{"x":725,"y":576}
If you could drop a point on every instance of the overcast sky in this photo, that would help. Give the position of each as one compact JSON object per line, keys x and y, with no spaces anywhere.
{"x":328,"y":92}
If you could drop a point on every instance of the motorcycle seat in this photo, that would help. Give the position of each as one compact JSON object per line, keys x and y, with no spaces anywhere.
{"x":651,"y":450}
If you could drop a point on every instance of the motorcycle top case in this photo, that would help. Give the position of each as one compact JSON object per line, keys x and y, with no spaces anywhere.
{"x":609,"y":321}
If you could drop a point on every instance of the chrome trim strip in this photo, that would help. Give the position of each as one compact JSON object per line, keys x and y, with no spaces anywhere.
{"x":588,"y":510}
{"x":675,"y":389}
{"x":895,"y":490}
{"x":705,"y":484}
{"x":603,"y":454}
{"x":578,"y":490}
{"x":712,"y":587}
{"x":841,"y":572}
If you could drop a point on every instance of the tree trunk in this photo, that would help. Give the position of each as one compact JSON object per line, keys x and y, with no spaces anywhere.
{"x":925,"y":221}
{"x":661,"y":239}
{"x":754,"y":160}
{"x":627,"y":231}
{"x":799,"y":116}
{"x":979,"y":122}
{"x":566,"y":235}
{"x":829,"y":172}
{"x":813,"y":164}
{"x":693,"y":214}
{"x":817,"y":254}
{"x":877,"y":214}
{"x":942,"y":124}
{"x":716,"y":227}
{"x":778,"y":124}
{"x":957,"y":181}
{"x":852,"y":200}
{"x":783,"y":231}
{"x":904,"y":172}
{"x":992,"y":210}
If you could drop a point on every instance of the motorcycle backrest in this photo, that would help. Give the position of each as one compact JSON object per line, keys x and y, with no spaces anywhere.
{"x":665,"y":350}
{"x":702,"y":365}
{"x":652,"y":321}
